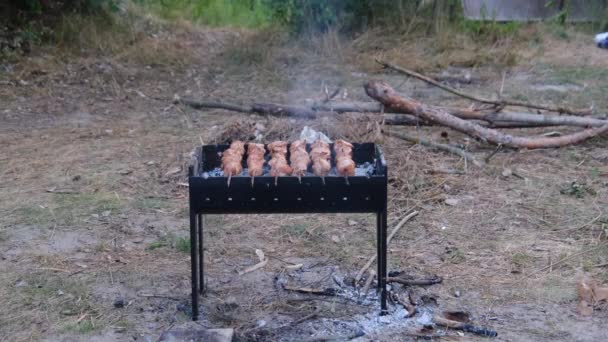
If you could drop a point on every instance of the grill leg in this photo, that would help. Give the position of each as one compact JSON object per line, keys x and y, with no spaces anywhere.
{"x":383,"y":271}
{"x":193,"y":264}
{"x":381,"y":246}
{"x":201,"y":260}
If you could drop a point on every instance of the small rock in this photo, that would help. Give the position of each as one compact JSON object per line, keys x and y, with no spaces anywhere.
{"x":507,"y":173}
{"x":119,"y":302}
{"x":173,"y":171}
{"x":21,"y":283}
{"x":335,"y":238}
{"x":109,"y":131}
{"x":261,"y":323}
{"x":76,"y":178}
{"x":352,"y":223}
{"x":60,"y":293}
{"x":456,"y":293}
{"x":386,"y":319}
{"x":68,"y":312}
{"x":106,"y":213}
{"x":151,"y":162}
{"x":452,"y":201}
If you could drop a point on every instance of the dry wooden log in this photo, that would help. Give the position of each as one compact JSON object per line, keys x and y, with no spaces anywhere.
{"x":444,"y":322}
{"x":483,"y":118}
{"x":283,"y":110}
{"x":498,"y":103}
{"x":411,"y":309}
{"x":537,"y":119}
{"x":405,"y":279}
{"x":386,"y":95}
{"x":309,"y":290}
{"x":399,"y":117}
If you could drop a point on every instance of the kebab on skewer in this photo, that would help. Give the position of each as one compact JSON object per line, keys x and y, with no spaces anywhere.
{"x":344,"y":158}
{"x":299,"y":158}
{"x":231,"y":159}
{"x":279,"y":166}
{"x":321,"y":156}
{"x":255,"y":160}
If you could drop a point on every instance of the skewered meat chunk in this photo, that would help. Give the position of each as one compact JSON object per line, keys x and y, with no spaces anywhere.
{"x":320,"y":155}
{"x":231,"y":159}
{"x":299,"y":158}
{"x":343,"y":148}
{"x":344,"y":158}
{"x":278,"y":163}
{"x":255,"y":159}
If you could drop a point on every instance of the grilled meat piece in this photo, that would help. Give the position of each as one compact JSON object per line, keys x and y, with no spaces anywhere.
{"x":320,"y":155}
{"x":255,"y":159}
{"x":344,"y":158}
{"x":299,"y":158}
{"x":231,"y":159}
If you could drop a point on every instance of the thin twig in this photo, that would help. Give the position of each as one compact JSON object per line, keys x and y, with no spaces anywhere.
{"x":562,"y":260}
{"x":584,"y":225}
{"x":447,"y":148}
{"x":499,"y":103}
{"x":388,"y":240}
{"x":147,"y":295}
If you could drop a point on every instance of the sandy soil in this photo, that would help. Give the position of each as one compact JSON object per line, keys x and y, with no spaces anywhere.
{"x":93,"y":207}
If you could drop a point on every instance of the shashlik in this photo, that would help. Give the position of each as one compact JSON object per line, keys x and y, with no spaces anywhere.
{"x":320,"y":155}
{"x":255,"y":160}
{"x":299,"y":158}
{"x":344,"y":158}
{"x":231,"y":159}
{"x":278,"y":163}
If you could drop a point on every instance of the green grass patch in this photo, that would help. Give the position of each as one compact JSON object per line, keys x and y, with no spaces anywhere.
{"x":67,"y":209}
{"x":153,"y":203}
{"x":83,"y":327}
{"x":251,"y":14}
{"x":564,"y":75}
{"x":181,"y":244}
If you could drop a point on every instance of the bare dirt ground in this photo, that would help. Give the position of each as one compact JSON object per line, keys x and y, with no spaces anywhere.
{"x":93,"y":154}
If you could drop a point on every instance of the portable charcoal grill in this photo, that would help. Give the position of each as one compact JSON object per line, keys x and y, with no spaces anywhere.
{"x":366,"y":192}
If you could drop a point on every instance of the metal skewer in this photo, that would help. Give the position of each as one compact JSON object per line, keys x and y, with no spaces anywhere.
{"x":323,"y":180}
{"x":300,"y":179}
{"x":229,"y":177}
{"x":276,"y":180}
{"x":252,"y":178}
{"x":346,"y":180}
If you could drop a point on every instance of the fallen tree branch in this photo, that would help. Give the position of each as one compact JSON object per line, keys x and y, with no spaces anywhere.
{"x":386,"y":95}
{"x":411,"y":309}
{"x":309,"y":290}
{"x":448,"y":323}
{"x":446,"y":148}
{"x":368,"y":282}
{"x":216,"y":105}
{"x":388,"y":240}
{"x":410,"y":280}
{"x":497,"y":103}
{"x":262,"y":263}
{"x":398,"y":117}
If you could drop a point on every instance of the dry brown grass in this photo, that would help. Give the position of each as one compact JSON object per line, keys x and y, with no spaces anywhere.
{"x":124,"y":146}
